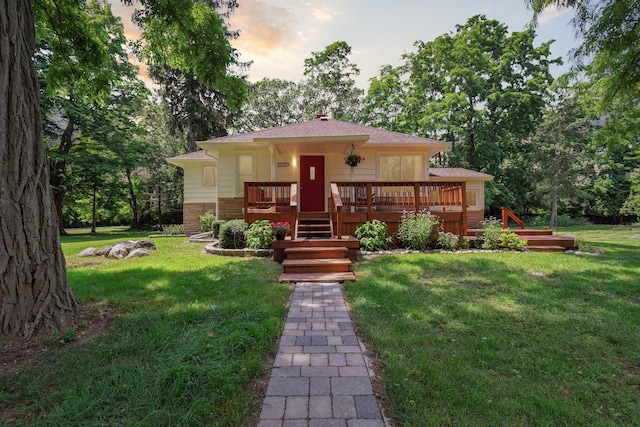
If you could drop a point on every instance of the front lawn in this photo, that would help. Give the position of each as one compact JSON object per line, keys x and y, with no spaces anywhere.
{"x":188,"y":345}
{"x":511,"y":338}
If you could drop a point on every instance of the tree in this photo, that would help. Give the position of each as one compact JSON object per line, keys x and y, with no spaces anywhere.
{"x":484,"y":91}
{"x":562,"y":151}
{"x":34,"y":291}
{"x":75,"y":93}
{"x":272,"y":103}
{"x":385,"y":99}
{"x":193,"y":63}
{"x":195,"y":109}
{"x":611,"y":38}
{"x":331,"y":82}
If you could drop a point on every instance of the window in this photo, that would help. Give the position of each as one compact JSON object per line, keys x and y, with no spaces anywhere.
{"x":400,"y":168}
{"x":209,"y":176}
{"x":244,"y":171}
{"x":472,"y":198}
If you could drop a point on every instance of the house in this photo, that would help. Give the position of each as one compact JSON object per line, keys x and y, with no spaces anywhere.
{"x":301,"y":167}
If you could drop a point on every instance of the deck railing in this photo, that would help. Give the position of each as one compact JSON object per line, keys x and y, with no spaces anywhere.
{"x":506,"y":214}
{"x":275,"y":201}
{"x":386,"y":200}
{"x":388,"y":196}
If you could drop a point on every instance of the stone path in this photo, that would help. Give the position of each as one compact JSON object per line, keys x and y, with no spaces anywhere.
{"x":320,"y":376}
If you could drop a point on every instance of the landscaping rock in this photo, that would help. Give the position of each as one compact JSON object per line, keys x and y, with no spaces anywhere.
{"x":104,"y":251}
{"x":137,"y":253}
{"x":122,"y":249}
{"x":87,"y":252}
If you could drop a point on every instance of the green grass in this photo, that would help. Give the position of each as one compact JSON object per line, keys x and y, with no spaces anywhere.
{"x":504,"y":339}
{"x":191,"y":335}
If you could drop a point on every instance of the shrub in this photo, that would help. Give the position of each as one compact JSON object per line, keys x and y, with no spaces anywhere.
{"x":232,"y":234}
{"x":510,"y":240}
{"x":448,"y":241}
{"x":418,"y":230}
{"x":493,"y":236}
{"x":373,"y":235}
{"x":215,"y":227}
{"x":173,"y":229}
{"x":259,"y":235}
{"x":489,"y":237}
{"x":206,"y":221}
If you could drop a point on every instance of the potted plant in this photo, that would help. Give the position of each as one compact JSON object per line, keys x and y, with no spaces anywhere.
{"x":352,"y":159}
{"x":280,"y":229}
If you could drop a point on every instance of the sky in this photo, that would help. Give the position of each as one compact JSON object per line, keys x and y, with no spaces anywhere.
{"x":278,"y":35}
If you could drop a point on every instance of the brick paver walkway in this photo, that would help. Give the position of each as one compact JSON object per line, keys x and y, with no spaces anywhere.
{"x":320,"y":376}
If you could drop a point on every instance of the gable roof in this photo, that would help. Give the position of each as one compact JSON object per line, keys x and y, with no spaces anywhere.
{"x":199,"y":155}
{"x":326,"y":129}
{"x":458,"y":173}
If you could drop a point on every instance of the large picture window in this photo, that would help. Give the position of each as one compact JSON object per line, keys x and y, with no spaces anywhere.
{"x":244,"y":171}
{"x":400,"y":168}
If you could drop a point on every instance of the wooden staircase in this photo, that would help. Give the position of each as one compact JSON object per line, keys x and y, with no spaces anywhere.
{"x":314,"y":224}
{"x":315,"y":256}
{"x":537,"y":240}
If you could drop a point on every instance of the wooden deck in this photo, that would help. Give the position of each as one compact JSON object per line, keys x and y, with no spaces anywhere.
{"x":537,"y":240}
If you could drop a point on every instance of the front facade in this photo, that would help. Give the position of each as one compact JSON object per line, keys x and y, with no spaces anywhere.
{"x":312,"y":155}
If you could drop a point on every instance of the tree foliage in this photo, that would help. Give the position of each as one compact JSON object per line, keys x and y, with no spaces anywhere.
{"x":332,"y":87}
{"x":610,"y":50}
{"x":480,"y":88}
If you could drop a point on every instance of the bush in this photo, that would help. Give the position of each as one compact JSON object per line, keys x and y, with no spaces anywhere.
{"x":418,"y":230}
{"x":373,"y":235}
{"x":259,"y":235}
{"x":489,"y":237}
{"x":206,"y":221}
{"x":173,"y":229}
{"x":493,"y":236}
{"x":215,"y":227}
{"x":510,"y":240}
{"x":448,"y":241}
{"x":232,"y":234}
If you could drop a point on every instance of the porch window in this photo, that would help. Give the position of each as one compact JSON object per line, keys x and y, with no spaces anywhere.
{"x":472,"y":198}
{"x":244,"y":171}
{"x":209,"y":176}
{"x":400,"y":168}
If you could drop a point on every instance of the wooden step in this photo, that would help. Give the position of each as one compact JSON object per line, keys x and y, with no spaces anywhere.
{"x":316,"y":252}
{"x":318,"y":265}
{"x":314,"y":234}
{"x":526,"y":231}
{"x":564,"y":241}
{"x":317,"y":277}
{"x":546,"y":248}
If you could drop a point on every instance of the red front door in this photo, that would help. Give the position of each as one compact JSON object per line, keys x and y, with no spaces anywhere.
{"x":311,"y":183}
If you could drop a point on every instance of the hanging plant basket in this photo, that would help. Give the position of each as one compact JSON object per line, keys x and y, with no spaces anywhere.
{"x":353,"y":159}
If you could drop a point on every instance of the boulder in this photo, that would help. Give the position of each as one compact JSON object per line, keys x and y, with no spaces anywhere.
{"x":87,"y":252}
{"x":137,"y":253}
{"x":120,"y":250}
{"x":103,"y":251}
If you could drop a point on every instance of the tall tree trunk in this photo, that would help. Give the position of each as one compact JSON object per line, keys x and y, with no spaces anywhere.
{"x":133,"y":201}
{"x":34,"y":291}
{"x":554,"y":206}
{"x":93,"y":211}
{"x":58,"y":167}
{"x":159,"y":208}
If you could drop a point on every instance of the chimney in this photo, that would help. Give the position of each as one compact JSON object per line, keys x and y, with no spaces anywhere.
{"x":321,"y":115}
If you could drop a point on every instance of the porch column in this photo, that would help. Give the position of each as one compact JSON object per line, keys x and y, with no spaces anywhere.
{"x":272,"y":152}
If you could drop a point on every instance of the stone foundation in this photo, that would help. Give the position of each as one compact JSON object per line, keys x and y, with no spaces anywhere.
{"x":192,"y":212}
{"x":230,"y":208}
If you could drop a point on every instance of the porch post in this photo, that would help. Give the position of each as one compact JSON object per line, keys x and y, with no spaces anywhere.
{"x":464,"y":209}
